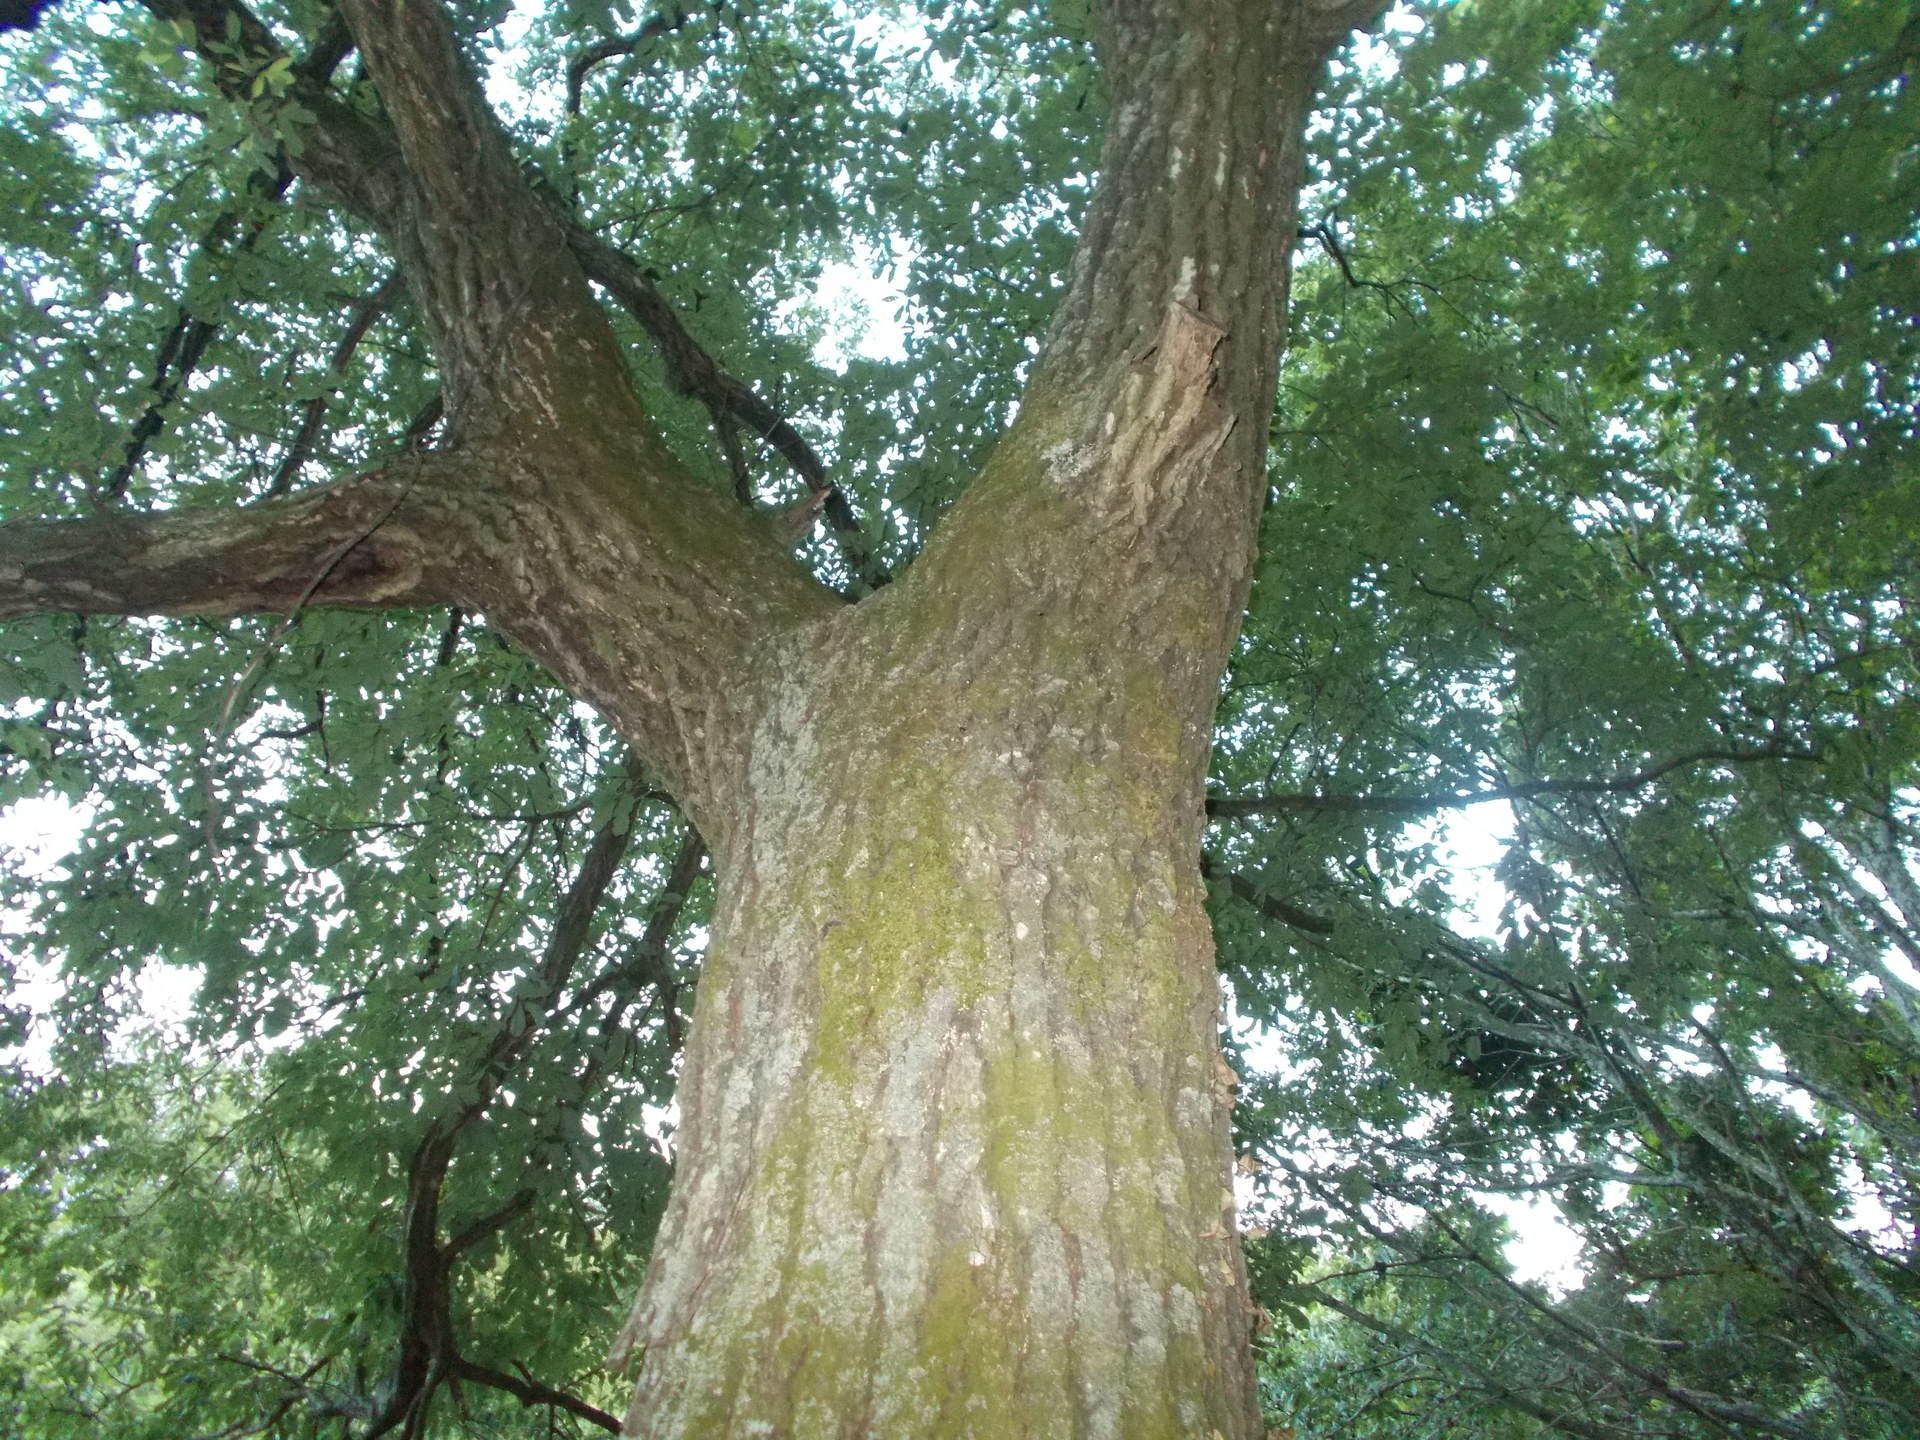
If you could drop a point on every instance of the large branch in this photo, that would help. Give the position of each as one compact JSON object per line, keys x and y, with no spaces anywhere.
{"x":519,"y":336}
{"x":1199,"y":175}
{"x":576,"y":531}
{"x":341,"y":150}
{"x":692,"y":371}
{"x":363,"y":544}
{"x":531,"y":1392}
{"x":1127,"y":493}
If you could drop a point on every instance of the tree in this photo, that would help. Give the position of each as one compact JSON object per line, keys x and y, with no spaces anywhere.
{"x":953,"y":1139}
{"x":1620,"y":539}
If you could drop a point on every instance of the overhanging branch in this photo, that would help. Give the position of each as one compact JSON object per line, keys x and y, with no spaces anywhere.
{"x":1268,"y":905}
{"x":354,"y":545}
{"x":615,"y":48}
{"x":529,"y":1391}
{"x":692,"y":372}
{"x":428,"y":1355}
{"x":360,"y":319}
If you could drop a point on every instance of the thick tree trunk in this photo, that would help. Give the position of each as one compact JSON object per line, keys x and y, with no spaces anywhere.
{"x":954,"y":1154}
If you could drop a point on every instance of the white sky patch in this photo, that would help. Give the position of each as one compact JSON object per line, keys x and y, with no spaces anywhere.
{"x":505,"y":93}
{"x":864,"y":307}
{"x":1545,"y":1250}
{"x":1471,"y":843}
{"x":36,"y":834}
{"x":40,"y":831}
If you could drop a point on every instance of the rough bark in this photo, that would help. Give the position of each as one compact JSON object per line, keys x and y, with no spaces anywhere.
{"x":954,"y":1153}
{"x":954,"y":1156}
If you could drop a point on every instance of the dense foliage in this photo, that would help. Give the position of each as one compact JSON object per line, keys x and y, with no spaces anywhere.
{"x":1594,"y":506}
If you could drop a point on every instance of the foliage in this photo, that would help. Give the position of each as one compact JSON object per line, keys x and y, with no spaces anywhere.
{"x":1593,"y":504}
{"x":1594,"y":498}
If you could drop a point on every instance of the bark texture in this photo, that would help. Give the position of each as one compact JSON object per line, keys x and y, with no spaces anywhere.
{"x":954,"y":1153}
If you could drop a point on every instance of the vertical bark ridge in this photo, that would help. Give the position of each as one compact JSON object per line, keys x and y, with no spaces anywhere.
{"x":1199,"y":175}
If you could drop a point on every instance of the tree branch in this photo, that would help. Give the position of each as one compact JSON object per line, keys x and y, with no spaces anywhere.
{"x":665,"y":23}
{"x":1229,"y":807}
{"x":515,"y":331}
{"x":345,"y":153}
{"x":356,"y":545}
{"x":489,"y":1224}
{"x":531,"y":1392}
{"x":360,"y":319}
{"x":694,"y":373}
{"x":1274,"y":909}
{"x":427,"y":1355}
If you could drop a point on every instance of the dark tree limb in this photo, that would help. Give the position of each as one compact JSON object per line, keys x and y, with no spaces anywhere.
{"x":185,"y":344}
{"x":694,"y":373}
{"x":1230,"y":807}
{"x":428,"y":1356}
{"x":360,"y":320}
{"x":490,"y":1224}
{"x":615,"y":47}
{"x":1274,"y":909}
{"x":331,"y":46}
{"x":650,"y":954}
{"x":530,"y":1392}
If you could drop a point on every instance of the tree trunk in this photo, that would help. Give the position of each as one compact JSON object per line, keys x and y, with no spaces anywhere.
{"x":954,"y":1154}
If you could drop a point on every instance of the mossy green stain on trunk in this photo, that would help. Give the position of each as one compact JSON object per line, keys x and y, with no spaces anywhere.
{"x":971,"y":928}
{"x":954,"y":1160}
